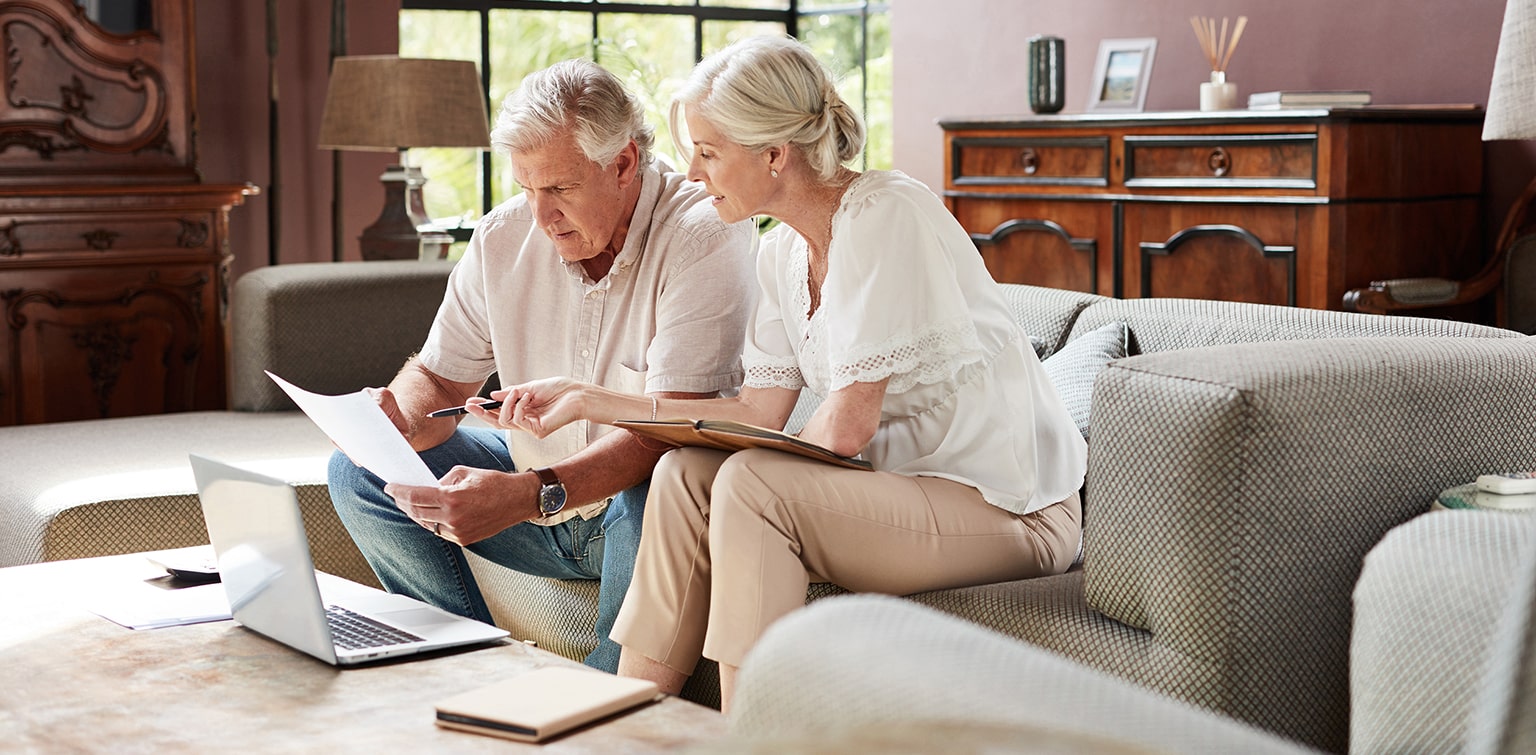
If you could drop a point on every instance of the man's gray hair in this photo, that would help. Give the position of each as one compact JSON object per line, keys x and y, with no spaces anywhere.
{"x":578,"y":96}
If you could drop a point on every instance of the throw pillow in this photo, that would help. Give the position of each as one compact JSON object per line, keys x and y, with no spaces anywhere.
{"x":1073,"y":369}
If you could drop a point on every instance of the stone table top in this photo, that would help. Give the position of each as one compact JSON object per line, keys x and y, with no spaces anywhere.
{"x":72,"y":681}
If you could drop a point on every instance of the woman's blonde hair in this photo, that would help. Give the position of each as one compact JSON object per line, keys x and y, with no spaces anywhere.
{"x":577,"y":96}
{"x":766,"y":91}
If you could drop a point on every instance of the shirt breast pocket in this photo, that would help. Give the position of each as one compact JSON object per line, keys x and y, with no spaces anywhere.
{"x":628,"y":380}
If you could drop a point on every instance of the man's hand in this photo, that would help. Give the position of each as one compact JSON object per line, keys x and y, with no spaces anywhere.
{"x":386,"y":400}
{"x":468,"y":504}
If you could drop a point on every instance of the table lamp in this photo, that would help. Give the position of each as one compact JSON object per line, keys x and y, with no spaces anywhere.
{"x":388,"y":103}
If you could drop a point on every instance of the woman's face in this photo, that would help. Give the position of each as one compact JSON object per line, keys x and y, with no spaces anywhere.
{"x":738,"y":179}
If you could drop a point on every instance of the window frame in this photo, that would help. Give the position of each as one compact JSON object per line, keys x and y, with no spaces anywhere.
{"x":790,"y":16}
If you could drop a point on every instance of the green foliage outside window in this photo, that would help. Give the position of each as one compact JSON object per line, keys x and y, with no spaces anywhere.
{"x":652,"y":52}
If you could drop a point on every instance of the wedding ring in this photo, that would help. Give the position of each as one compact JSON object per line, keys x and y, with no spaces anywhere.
{"x":437,"y":528}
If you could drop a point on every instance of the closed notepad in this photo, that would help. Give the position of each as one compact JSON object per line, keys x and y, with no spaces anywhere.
{"x":542,"y":703}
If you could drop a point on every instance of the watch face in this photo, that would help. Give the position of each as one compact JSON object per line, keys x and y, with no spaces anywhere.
{"x":551,"y":498}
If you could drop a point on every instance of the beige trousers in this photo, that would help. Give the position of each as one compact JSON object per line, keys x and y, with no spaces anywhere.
{"x":731,"y":541}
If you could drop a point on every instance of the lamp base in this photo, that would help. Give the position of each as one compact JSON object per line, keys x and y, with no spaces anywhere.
{"x":393,"y":236}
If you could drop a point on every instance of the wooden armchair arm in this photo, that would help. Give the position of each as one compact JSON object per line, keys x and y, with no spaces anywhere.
{"x":1389,"y":296}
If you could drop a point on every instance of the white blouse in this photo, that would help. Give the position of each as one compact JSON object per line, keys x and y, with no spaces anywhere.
{"x":907,"y":297}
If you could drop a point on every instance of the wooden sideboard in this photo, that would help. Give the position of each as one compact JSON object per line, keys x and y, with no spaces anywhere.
{"x":114,"y":255}
{"x":1276,"y":207}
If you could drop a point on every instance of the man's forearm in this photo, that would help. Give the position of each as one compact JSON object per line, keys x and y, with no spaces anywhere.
{"x":418,"y":391}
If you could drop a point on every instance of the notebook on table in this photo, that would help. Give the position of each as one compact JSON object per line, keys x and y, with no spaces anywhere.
{"x":264,"y":562}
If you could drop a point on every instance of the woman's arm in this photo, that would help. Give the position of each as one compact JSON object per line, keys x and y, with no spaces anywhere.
{"x":847,"y":420}
{"x":544,"y":406}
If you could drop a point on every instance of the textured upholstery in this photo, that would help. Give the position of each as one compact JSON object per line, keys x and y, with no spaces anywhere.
{"x":1442,"y":650}
{"x":1167,"y":324}
{"x":827,"y":673}
{"x":328,"y":327}
{"x":1047,"y":313}
{"x":1234,"y":491}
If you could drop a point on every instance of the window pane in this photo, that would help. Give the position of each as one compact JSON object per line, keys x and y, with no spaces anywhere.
{"x":760,"y":4}
{"x":453,"y":175}
{"x":522,"y":42}
{"x":879,"y":152}
{"x":651,"y":54}
{"x":718,"y":34}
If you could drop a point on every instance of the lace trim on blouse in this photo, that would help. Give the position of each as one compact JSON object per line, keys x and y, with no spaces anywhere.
{"x":933,"y":355}
{"x":774,"y":374}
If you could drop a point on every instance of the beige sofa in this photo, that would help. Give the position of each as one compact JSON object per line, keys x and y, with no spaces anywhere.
{"x":1240,"y":466}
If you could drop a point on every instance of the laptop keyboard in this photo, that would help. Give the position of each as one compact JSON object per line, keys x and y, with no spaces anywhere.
{"x":353,"y":631}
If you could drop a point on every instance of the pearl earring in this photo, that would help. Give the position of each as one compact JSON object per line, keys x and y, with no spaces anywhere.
{"x":773,"y":173}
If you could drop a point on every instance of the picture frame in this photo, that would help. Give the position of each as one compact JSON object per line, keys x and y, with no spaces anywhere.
{"x":1121,"y":73}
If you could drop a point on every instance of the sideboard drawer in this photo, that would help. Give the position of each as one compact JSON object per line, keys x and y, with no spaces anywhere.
{"x":1031,"y":162}
{"x":67,"y":235}
{"x":1279,"y":161}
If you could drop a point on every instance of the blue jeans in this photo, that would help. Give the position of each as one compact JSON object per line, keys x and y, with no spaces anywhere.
{"x":410,"y":560}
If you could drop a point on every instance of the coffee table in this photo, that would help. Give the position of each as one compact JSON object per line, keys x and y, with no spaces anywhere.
{"x":73,"y":681}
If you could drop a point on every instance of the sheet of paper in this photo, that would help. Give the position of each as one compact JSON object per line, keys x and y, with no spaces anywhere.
{"x":359,"y":427}
{"x":154,"y":603}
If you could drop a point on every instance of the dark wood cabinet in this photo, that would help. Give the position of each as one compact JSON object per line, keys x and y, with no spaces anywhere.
{"x":114,"y":254}
{"x":1275,"y":207}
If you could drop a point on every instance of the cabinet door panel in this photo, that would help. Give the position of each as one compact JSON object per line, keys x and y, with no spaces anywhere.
{"x":1244,"y":253}
{"x":105,"y":343}
{"x":1054,"y":244}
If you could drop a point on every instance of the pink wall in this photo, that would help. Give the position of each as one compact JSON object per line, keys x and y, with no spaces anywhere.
{"x":1404,"y":51}
{"x":233,"y":117}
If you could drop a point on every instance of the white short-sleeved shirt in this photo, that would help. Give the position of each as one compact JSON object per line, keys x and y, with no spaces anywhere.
{"x":907,"y":297}
{"x":668,"y":316}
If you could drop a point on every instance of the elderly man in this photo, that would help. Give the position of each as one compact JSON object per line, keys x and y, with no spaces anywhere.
{"x":610,"y":268}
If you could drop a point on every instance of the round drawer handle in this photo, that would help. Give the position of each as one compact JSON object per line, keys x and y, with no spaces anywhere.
{"x":1219,"y":162}
{"x":1030,"y":160}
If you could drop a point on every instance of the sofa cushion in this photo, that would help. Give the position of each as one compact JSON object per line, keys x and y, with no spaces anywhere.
{"x":329,"y":327}
{"x":1167,"y":324}
{"x":1073,"y":368}
{"x":1046,"y":313}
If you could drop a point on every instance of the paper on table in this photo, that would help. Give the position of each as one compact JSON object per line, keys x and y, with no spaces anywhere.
{"x":359,"y":427}
{"x":141,"y":605}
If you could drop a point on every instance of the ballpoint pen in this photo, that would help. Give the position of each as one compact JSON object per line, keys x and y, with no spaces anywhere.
{"x":452,"y":410}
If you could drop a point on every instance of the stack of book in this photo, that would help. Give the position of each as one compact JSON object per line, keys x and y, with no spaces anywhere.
{"x":1508,"y":491}
{"x":1288,"y":99}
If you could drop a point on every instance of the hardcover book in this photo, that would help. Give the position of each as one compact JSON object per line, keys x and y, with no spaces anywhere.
{"x":733,"y":436}
{"x":542,"y":703}
{"x":1301,"y":99}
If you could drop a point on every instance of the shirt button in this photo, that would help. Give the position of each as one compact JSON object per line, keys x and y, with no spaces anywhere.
{"x":586,"y":352}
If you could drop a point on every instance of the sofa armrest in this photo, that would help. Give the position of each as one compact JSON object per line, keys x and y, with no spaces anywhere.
{"x":329,"y":327}
{"x":1233,"y":492}
{"x":1442,"y":640}
{"x":850,"y":671}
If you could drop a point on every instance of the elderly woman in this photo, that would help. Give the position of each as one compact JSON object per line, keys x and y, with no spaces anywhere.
{"x":874,"y":299}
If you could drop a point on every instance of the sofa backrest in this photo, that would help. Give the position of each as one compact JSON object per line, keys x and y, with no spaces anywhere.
{"x":1168,"y":324}
{"x":328,"y":327}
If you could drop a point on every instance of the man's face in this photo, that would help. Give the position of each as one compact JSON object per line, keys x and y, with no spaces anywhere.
{"x":577,"y":203}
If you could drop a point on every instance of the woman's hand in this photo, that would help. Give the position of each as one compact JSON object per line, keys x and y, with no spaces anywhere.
{"x":468,"y":505}
{"x":539,"y":407}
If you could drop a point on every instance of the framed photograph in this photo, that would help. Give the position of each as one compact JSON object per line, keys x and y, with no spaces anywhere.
{"x":1120,"y":74}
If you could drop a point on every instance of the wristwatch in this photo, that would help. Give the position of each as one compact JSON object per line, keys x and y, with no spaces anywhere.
{"x":551,"y":492}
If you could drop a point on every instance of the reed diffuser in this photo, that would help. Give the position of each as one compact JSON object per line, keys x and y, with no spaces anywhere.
{"x":1218,"y":93}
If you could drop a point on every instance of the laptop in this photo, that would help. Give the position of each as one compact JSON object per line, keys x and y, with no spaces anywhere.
{"x":268,"y":575}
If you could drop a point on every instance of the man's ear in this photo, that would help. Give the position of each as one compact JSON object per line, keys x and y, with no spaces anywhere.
{"x":628,"y":164}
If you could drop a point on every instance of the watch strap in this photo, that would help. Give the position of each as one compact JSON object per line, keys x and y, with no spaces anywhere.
{"x":547,"y":476}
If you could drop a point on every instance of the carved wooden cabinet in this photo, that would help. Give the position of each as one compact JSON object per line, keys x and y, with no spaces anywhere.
{"x":1275,"y":207}
{"x":113,"y":254}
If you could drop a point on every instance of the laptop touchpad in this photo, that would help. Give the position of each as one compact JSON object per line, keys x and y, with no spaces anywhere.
{"x":415,"y":617}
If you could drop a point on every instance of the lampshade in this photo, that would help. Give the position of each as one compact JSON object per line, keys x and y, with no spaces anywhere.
{"x":389,"y":103}
{"x":1512,"y":97}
